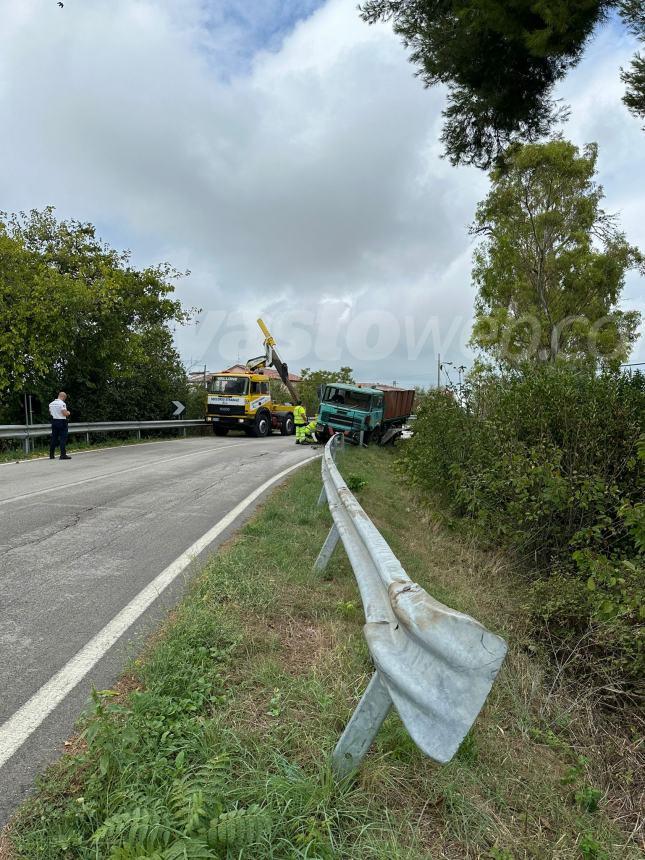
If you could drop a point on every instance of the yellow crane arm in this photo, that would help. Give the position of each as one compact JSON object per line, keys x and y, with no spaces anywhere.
{"x":274,"y":359}
{"x":268,"y":338}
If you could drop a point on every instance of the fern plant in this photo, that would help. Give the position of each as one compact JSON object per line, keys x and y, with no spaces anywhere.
{"x":190,"y":825}
{"x":135,"y":827}
{"x":238,"y":828}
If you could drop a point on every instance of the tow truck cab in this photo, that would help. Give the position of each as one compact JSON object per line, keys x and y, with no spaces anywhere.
{"x":242,"y":401}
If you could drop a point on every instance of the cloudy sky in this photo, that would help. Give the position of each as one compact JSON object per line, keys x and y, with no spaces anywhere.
{"x":283,"y":151}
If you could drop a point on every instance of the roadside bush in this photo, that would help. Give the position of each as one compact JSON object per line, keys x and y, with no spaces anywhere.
{"x":548,"y":462}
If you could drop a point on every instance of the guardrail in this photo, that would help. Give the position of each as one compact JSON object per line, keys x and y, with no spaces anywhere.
{"x":26,"y":432}
{"x":436,"y":666}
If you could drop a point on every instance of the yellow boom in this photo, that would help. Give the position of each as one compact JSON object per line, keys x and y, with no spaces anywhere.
{"x":274,"y":359}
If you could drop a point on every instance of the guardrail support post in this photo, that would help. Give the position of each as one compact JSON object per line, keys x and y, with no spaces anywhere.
{"x":87,"y":438}
{"x":327,"y":549}
{"x":138,"y":434}
{"x":362,"y":728}
{"x":26,"y":444}
{"x":322,"y":498}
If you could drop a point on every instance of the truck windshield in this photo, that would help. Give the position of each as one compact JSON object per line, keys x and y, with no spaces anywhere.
{"x":228,"y":385}
{"x":349,"y":399}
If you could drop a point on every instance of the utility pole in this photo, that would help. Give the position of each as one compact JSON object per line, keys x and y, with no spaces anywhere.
{"x":440,"y":367}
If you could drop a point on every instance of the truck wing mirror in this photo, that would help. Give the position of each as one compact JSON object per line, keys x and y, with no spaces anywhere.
{"x":319,"y":392}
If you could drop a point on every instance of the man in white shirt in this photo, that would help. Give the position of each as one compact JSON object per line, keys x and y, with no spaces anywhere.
{"x":59,"y":413}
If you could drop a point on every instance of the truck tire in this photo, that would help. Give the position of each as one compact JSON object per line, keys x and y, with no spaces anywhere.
{"x":288,"y":428}
{"x":323,"y":436}
{"x":220,"y":431}
{"x":375,"y":436}
{"x":262,"y":426}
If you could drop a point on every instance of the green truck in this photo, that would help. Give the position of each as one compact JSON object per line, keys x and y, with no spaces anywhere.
{"x":363,"y":413}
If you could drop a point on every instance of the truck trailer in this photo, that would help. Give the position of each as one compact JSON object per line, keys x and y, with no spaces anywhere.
{"x":374,"y":413}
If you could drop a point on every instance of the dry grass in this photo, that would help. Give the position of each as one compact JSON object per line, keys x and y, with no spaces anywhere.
{"x":552,"y":705}
{"x":537,"y":742}
{"x":6,"y":849}
{"x":517,"y":788}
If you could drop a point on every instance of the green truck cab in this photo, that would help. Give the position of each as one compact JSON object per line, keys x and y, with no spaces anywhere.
{"x":377,"y":412}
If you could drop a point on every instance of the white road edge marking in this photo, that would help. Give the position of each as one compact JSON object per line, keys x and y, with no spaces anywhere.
{"x":78,"y":453}
{"x":17,"y":729}
{"x":60,"y":487}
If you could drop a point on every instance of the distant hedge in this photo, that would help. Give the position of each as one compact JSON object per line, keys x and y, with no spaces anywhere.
{"x":550,"y":463}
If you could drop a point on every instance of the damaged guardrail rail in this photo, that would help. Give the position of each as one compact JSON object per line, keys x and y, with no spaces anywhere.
{"x":436,"y":666}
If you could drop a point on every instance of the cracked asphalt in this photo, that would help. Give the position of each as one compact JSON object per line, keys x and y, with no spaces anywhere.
{"x":80,"y":539}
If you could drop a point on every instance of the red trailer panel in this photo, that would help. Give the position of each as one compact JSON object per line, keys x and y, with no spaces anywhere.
{"x":397,"y":402}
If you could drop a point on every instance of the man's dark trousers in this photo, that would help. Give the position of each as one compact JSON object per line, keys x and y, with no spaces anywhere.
{"x":59,"y":436}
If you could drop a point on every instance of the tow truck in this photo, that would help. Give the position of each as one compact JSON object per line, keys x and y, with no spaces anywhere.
{"x":242,"y":401}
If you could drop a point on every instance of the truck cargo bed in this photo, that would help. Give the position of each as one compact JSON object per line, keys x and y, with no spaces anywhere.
{"x":397,"y":403}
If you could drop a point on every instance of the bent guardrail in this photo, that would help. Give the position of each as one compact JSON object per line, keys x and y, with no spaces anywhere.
{"x":434,"y":664}
{"x":26,"y":432}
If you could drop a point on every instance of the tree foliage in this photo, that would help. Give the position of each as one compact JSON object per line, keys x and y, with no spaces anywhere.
{"x":76,"y":314}
{"x":635,"y":79}
{"x":312,"y":379}
{"x":550,"y":463}
{"x":552,"y":264}
{"x":500,"y":60}
{"x":634,"y":14}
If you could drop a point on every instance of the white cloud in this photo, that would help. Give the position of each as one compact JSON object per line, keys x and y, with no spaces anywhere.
{"x":298,"y":177}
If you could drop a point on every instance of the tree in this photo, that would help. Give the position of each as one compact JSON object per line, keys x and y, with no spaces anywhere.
{"x":35,"y":301}
{"x":76,"y":314}
{"x":500,"y":60}
{"x":551,"y":267}
{"x":634,"y":98}
{"x":312,"y":379}
{"x":635,"y":79}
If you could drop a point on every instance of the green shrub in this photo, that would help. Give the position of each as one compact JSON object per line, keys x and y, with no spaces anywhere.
{"x":549,"y":463}
{"x":355,"y":482}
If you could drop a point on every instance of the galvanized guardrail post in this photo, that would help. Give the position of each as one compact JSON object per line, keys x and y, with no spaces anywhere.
{"x":435,"y":665}
{"x":362,"y":728}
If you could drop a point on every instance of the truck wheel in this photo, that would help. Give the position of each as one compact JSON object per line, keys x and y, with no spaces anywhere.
{"x":323,"y":436}
{"x":262,"y":425}
{"x":220,"y":431}
{"x":288,"y":428}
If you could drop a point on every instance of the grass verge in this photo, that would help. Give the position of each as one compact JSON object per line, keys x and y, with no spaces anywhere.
{"x":216,"y":743}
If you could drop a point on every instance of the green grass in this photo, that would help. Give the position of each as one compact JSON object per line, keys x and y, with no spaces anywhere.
{"x":217,"y":742}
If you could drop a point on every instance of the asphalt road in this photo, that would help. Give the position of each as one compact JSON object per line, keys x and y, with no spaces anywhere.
{"x":79,"y":540}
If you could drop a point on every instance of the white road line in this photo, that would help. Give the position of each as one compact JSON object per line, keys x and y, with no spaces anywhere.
{"x":78,"y":453}
{"x":59,"y":488}
{"x":17,"y":729}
